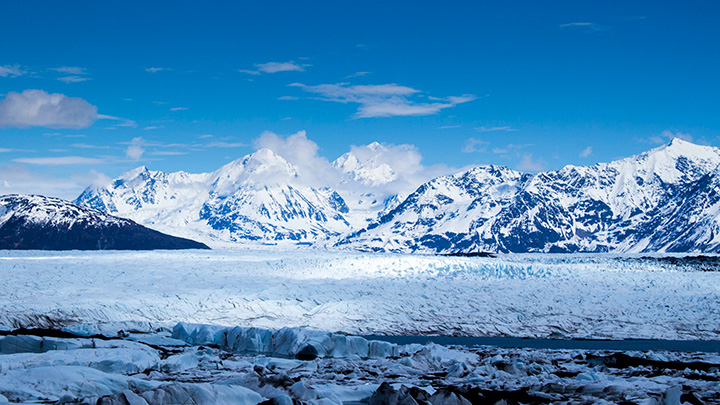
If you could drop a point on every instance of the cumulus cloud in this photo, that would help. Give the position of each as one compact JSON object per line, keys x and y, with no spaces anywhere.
{"x":383,"y":100}
{"x":135,"y":150}
{"x":528,"y":164}
{"x":405,"y":162}
{"x":39,"y":108}
{"x":302,"y":153}
{"x":586,"y":152}
{"x":11,"y":71}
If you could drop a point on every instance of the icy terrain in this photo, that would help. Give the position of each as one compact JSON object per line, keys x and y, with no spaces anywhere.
{"x":227,"y":327}
{"x":202,"y":364}
{"x":533,"y":296}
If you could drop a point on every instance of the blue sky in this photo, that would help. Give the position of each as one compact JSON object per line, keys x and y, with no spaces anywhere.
{"x":93,"y":89}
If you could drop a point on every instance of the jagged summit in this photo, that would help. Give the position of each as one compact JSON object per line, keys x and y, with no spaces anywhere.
{"x":664,"y":199}
{"x":366,"y":165}
{"x":257,"y":199}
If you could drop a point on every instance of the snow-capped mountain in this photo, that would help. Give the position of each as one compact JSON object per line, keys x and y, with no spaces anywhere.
{"x":37,"y":222}
{"x":663,"y":200}
{"x":257,"y":198}
{"x":367,"y":182}
{"x":367,"y":168}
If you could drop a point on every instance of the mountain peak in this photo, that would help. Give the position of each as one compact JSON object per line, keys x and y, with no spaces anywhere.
{"x":705,"y":156}
{"x":376,"y":146}
{"x":131,"y":174}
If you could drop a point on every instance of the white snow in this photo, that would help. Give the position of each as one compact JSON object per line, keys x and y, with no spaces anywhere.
{"x":513,"y":295}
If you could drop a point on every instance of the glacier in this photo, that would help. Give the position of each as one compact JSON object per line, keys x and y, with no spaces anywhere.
{"x":248,"y":326}
{"x":580,"y":296}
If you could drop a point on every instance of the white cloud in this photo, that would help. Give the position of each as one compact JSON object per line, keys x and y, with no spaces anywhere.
{"x":584,"y":26}
{"x":222,"y":144}
{"x":474,"y":145}
{"x":178,"y":109}
{"x":577,"y":24}
{"x":60,"y":161}
{"x":155,"y":69}
{"x":384,"y":100}
{"x":39,"y":108}
{"x":73,"y":79}
{"x":669,"y":135}
{"x":167,"y":153}
{"x":135,"y":150}
{"x":86,"y":146}
{"x":151,"y":127}
{"x":357,"y":74}
{"x":70,"y":70}
{"x":19,"y":179}
{"x":496,"y":129}
{"x":527,"y":164}
{"x":586,"y":152}
{"x":11,"y":71}
{"x":275,"y":67}
{"x":449,"y":126}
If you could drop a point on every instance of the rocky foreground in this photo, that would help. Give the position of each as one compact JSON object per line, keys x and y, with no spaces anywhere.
{"x":203,"y":364}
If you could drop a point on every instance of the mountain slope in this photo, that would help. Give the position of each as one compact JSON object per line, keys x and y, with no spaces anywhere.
{"x":664,"y":200}
{"x":257,"y":198}
{"x":45,"y":223}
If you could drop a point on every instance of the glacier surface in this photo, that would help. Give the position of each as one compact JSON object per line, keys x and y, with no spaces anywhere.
{"x":598,"y":296}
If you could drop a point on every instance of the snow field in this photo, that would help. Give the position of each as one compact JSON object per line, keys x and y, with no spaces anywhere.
{"x":529,"y":296}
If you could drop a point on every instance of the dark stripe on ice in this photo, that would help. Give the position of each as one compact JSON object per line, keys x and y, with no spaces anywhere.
{"x":711,"y":346}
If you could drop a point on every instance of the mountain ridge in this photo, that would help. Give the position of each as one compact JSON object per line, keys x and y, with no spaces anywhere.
{"x":615,"y":206}
{"x":48,"y":223}
{"x":635,"y":204}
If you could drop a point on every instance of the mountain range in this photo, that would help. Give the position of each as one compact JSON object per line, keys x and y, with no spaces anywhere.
{"x":663,"y":200}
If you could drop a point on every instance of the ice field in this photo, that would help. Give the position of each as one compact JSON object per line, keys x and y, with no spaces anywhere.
{"x":231,"y":326}
{"x":526,"y":296}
